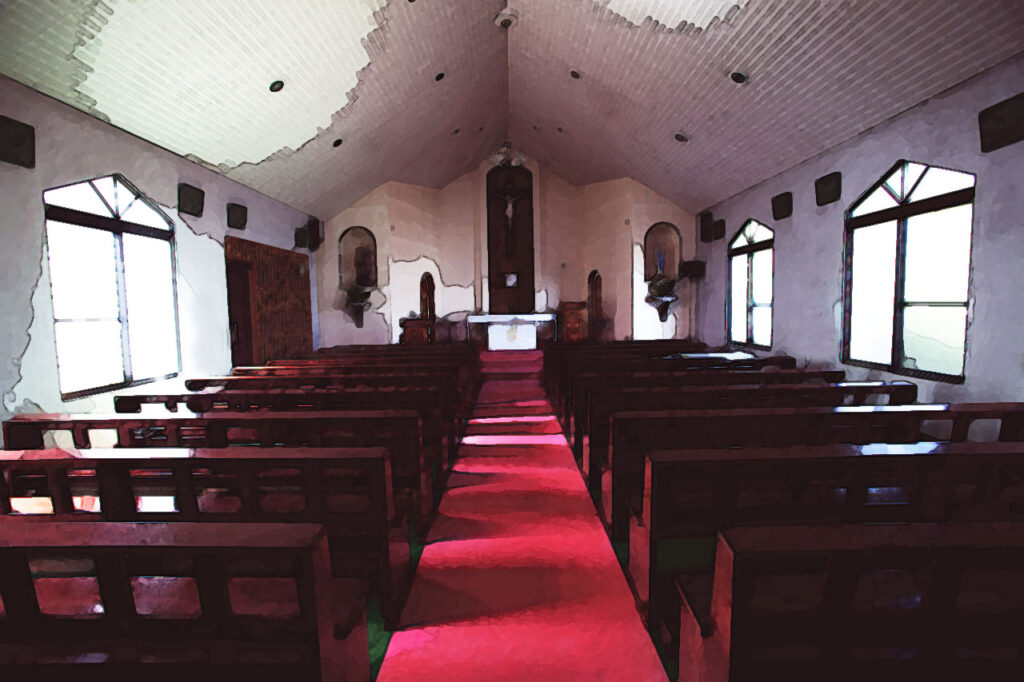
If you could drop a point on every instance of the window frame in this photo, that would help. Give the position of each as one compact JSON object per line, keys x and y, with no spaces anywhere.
{"x":901,"y":213}
{"x":750,"y":250}
{"x":118,"y":227}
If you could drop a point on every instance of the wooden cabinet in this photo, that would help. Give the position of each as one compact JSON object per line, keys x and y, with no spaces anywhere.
{"x":572,"y":321}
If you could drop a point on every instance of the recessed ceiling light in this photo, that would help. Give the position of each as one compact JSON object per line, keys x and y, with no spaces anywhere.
{"x":738,"y":77}
{"x":575,"y":74}
{"x":336,"y":143}
{"x":681,"y":138}
{"x":455,"y":132}
{"x":439,"y":76}
{"x":277,"y":86}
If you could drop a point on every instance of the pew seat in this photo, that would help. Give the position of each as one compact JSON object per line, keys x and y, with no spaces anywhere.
{"x":886,"y":602}
{"x":165,"y":601}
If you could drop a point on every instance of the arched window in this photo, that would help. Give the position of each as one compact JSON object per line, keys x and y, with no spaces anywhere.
{"x":751,"y":275}
{"x":111,"y":258}
{"x":595,"y":314}
{"x":907,"y":273}
{"x":427,"y":309}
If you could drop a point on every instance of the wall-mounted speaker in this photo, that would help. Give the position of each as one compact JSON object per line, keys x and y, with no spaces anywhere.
{"x":17,"y":143}
{"x":692,"y":269}
{"x":718,"y":229}
{"x":828,"y":188}
{"x":707,"y":221}
{"x":1002,"y":124}
{"x":237,"y":216}
{"x":782,"y":205}
{"x":190,"y":199}
{"x":310,"y":235}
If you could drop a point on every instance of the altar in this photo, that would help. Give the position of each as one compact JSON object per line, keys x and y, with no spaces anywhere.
{"x":511,"y":331}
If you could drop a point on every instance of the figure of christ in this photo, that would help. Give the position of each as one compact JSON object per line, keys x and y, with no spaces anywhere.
{"x":510,"y":201}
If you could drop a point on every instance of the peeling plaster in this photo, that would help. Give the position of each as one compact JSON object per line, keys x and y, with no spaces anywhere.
{"x":690,"y":17}
{"x":405,"y":284}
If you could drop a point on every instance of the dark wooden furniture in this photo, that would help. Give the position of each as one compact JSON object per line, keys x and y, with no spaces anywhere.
{"x":416,"y":331}
{"x":881,"y":602}
{"x":612,"y":492}
{"x":636,"y":433}
{"x":348,"y":489}
{"x":572,"y":321}
{"x":690,"y":495}
{"x":398,"y":430}
{"x":163,"y":601}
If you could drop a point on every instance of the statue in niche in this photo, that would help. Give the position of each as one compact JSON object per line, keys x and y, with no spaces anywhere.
{"x":661,"y":289}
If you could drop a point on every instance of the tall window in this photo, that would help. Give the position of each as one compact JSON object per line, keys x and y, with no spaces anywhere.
{"x":908,"y":264}
{"x":112,"y":283}
{"x":751,"y":271}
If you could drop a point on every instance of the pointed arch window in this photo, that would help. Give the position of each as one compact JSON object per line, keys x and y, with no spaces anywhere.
{"x":907,"y":273}
{"x":111,"y":262}
{"x":751,"y":285}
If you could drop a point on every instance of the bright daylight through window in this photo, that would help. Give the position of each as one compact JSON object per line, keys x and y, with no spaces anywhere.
{"x":908,"y":264}
{"x":112,"y":283}
{"x":751,"y":273}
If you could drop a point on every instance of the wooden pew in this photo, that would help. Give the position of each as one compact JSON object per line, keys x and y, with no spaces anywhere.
{"x":593,"y":388}
{"x":690,"y":495}
{"x":462,"y":389}
{"x":398,"y":430}
{"x":884,"y":603}
{"x":555,"y":353}
{"x":584,"y":383}
{"x":348,"y":489}
{"x":696,"y":362}
{"x":176,"y":601}
{"x":615,"y":476}
{"x":437,"y":411}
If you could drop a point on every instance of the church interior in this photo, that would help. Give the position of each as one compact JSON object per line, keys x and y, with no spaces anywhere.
{"x":407,"y":340}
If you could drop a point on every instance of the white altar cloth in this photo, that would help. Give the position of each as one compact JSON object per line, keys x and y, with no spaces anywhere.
{"x":511,"y":331}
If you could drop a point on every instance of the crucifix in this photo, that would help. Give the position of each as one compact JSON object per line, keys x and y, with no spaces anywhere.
{"x":510,"y":200}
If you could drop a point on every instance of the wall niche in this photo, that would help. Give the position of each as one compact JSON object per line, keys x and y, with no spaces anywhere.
{"x":357,"y":271}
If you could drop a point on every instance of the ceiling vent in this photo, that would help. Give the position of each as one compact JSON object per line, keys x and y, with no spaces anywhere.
{"x":506,"y":18}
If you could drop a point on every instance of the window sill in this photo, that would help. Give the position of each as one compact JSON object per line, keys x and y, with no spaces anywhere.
{"x":903,"y":371}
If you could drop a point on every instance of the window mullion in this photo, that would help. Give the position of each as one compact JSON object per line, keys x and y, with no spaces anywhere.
{"x":750,"y":298}
{"x":122,"y":305}
{"x":899,"y":295}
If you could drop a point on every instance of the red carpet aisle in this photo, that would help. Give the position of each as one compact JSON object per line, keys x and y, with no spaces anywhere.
{"x":518,"y":580}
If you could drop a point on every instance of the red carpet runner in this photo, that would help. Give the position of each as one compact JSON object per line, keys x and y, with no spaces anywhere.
{"x":518,"y":580}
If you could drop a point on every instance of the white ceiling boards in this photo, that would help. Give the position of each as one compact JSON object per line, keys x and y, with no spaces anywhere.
{"x":194,"y":76}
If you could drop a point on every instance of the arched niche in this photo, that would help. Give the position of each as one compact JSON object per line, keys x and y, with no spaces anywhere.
{"x":428,"y":311}
{"x":357,"y":259}
{"x":662,"y":251}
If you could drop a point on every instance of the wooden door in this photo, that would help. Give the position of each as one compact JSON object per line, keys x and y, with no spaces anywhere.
{"x":240,"y":312}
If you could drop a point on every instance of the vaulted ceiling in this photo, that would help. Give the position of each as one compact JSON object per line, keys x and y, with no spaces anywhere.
{"x":593,"y":89}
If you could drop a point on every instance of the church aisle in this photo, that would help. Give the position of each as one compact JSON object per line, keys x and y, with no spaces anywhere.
{"x":518,"y":580}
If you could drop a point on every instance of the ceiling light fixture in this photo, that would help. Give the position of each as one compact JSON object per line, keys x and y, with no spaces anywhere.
{"x":575,"y":74}
{"x":455,"y":132}
{"x":681,"y":138}
{"x":738,"y":77}
{"x":439,"y":76}
{"x":277,"y":86}
{"x":336,"y":143}
{"x":560,"y":129}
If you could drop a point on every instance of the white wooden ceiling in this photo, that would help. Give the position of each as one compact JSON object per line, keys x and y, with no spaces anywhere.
{"x":193,"y":76}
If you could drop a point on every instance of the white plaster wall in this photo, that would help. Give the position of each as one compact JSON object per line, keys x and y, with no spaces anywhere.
{"x":72,"y":146}
{"x":444,"y":232}
{"x":808,"y":246}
